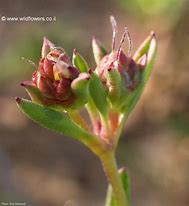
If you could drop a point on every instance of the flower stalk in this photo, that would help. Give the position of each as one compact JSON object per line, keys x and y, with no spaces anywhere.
{"x":62,"y":87}
{"x":111,"y":170}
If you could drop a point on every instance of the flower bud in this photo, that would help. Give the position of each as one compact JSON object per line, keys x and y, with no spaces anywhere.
{"x":126,"y":66}
{"x":120,"y":73}
{"x":57,"y":83}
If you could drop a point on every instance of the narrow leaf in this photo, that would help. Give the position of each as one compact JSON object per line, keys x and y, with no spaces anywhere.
{"x":133,"y":97}
{"x":144,"y":47}
{"x":126,"y":183}
{"x":98,"y":94}
{"x":57,"y":121}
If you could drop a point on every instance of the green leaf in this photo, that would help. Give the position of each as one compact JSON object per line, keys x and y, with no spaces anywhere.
{"x":110,"y":200}
{"x":79,"y":62}
{"x":126,"y":183}
{"x":58,"y":122}
{"x":134,"y":96}
{"x":98,"y":94}
{"x":144,"y":47}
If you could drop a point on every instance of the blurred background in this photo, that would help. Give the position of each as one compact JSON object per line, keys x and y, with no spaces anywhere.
{"x":39,"y":167}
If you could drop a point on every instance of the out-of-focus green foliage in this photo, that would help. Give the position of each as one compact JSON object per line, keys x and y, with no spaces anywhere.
{"x":145,"y":8}
{"x":180,"y":124}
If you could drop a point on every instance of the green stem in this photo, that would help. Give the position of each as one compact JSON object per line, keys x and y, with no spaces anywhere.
{"x":110,"y":168}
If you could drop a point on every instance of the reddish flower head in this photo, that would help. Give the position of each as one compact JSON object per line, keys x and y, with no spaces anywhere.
{"x":128,"y":68}
{"x":121,"y":74}
{"x":55,"y":80}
